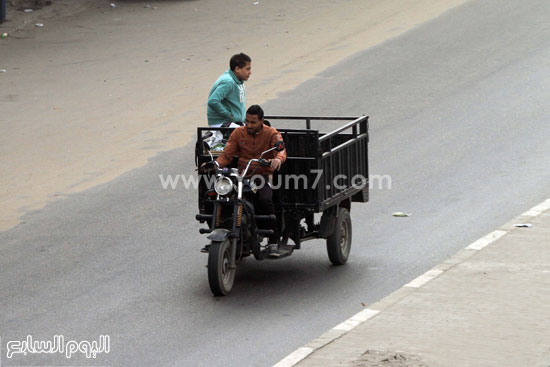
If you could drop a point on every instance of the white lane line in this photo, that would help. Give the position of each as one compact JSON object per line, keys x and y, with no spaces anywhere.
{"x":301,"y":353}
{"x":295,"y":357}
{"x":484,"y":241}
{"x":356,"y":320}
{"x":424,"y":278}
{"x":537,"y":210}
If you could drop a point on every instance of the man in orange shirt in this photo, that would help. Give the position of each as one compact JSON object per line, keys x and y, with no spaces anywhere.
{"x":248,"y":142}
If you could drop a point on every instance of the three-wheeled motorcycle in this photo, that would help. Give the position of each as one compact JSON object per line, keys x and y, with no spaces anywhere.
{"x":324,"y":173}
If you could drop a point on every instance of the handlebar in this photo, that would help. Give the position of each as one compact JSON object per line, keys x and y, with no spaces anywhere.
{"x":208,"y":166}
{"x":279,"y":146}
{"x":264,"y":163}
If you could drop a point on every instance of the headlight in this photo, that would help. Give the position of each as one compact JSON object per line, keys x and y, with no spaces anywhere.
{"x":223,"y":186}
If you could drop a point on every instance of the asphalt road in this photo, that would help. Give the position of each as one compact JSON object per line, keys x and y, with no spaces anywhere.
{"x":459,"y":120}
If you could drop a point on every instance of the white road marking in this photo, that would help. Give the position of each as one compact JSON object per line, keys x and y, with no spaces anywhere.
{"x":537,"y":210}
{"x":295,"y":357}
{"x":424,"y":278}
{"x":356,"y":320}
{"x":484,"y":241}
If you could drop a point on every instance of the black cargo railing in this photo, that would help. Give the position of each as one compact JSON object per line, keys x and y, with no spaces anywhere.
{"x":2,"y":11}
{"x":308,"y":119}
{"x":343,"y":145}
{"x":362,"y":122}
{"x":332,"y":164}
{"x":352,"y":125}
{"x":349,"y":159}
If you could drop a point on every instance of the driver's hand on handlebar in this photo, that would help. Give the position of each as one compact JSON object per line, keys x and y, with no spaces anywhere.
{"x":276,"y":164}
{"x":206,"y":166}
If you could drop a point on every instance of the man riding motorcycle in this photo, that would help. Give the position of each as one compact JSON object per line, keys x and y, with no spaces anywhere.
{"x":248,"y":142}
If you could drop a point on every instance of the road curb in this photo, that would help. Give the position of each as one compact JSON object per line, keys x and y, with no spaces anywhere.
{"x":376,"y":308}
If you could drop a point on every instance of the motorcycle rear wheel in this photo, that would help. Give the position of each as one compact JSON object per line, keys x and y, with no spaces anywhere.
{"x":339,"y":242}
{"x":220,"y":274}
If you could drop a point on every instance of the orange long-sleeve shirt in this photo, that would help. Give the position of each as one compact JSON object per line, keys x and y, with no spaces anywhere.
{"x":247,"y":146}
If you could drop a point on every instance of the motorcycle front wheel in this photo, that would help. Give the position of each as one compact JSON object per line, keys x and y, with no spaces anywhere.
{"x":220,"y":274}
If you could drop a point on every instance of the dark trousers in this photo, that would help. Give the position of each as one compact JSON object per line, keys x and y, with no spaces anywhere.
{"x":263,"y":205}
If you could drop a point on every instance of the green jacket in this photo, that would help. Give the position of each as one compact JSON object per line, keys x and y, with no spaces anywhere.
{"x":227,"y":97}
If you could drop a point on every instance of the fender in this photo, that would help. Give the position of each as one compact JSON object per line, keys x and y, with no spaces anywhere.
{"x":219,"y":234}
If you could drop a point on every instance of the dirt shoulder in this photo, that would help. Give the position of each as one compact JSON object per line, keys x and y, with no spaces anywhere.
{"x":97,"y":90}
{"x":23,"y":15}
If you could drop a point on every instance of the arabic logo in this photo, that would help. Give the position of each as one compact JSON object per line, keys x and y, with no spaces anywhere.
{"x":58,"y":345}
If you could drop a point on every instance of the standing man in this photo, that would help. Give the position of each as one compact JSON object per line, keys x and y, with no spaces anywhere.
{"x":227,"y":98}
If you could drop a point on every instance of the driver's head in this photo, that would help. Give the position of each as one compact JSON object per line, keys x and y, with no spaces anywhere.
{"x":254,"y":119}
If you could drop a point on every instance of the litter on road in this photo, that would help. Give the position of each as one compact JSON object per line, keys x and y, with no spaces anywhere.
{"x":523,"y":225}
{"x":401,"y":214}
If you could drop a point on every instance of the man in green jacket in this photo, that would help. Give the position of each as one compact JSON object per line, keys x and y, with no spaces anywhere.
{"x":227,"y":98}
